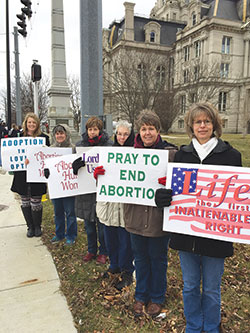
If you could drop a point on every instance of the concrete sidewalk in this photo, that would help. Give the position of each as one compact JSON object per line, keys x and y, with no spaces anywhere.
{"x":30,"y":299}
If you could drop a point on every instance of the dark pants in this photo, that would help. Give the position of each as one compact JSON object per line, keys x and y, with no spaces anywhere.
{"x":151,"y":267}
{"x":65,"y":208}
{"x":92,"y":235}
{"x":118,"y":244}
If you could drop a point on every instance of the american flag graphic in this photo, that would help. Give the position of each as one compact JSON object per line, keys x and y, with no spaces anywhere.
{"x":209,"y":195}
{"x":178,"y":176}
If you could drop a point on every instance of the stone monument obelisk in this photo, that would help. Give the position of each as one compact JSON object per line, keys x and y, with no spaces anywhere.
{"x":59,"y":93}
{"x":91,"y":60}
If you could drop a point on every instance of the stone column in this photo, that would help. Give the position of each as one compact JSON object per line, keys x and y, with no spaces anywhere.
{"x":129,"y":21}
{"x":91,"y":60}
{"x":246,"y":57}
{"x":60,"y":111}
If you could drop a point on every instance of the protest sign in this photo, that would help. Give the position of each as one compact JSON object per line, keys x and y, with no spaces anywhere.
{"x":13,"y":151}
{"x":210,"y":201}
{"x":37,"y":156}
{"x":131,"y":175}
{"x":91,"y":157}
{"x":63,"y":183}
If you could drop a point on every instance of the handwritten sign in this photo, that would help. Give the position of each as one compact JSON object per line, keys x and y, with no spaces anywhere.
{"x":63,"y":183}
{"x":13,"y":151}
{"x":37,"y":156}
{"x":209,"y":201}
{"x":131,"y":175}
{"x":91,"y":156}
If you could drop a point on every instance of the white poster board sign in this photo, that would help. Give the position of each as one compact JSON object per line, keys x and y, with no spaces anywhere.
{"x":131,"y":175}
{"x":91,"y":156}
{"x":37,"y":156}
{"x":209,"y":201}
{"x":13,"y":151}
{"x":63,"y":183}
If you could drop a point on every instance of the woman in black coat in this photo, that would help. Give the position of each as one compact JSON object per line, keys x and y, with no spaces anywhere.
{"x":202,"y":259}
{"x":31,"y":193}
{"x":85,"y":205}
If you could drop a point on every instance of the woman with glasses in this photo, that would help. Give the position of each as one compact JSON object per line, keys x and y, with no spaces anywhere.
{"x":202,"y":259}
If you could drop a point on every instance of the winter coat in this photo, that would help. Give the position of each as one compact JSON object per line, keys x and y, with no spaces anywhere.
{"x":147,"y":220}
{"x":222,"y":154}
{"x":67,"y":142}
{"x":85,"y":204}
{"x":111,"y":213}
{"x":19,"y":184}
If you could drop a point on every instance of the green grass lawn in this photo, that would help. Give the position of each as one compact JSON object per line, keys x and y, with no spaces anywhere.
{"x":96,"y":305}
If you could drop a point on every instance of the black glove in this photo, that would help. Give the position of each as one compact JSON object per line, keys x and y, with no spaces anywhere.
{"x":77,"y":164}
{"x":163,"y":197}
{"x":46,"y":173}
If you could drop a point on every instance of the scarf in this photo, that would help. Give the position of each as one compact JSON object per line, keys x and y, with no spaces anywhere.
{"x":95,"y":140}
{"x":206,"y":148}
{"x":139,"y":143}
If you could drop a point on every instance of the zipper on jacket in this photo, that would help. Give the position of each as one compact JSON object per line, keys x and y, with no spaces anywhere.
{"x":193,"y":246}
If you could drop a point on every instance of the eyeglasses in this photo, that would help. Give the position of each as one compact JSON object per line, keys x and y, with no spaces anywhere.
{"x":122,"y":134}
{"x":205,"y":122}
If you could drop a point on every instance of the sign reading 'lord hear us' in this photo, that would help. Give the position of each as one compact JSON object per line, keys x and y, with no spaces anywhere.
{"x":209,"y":201}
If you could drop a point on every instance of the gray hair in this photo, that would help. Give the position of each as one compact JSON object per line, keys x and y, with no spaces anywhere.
{"x":123,"y":123}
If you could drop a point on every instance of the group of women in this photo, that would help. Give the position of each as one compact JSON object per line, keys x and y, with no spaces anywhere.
{"x":131,"y":234}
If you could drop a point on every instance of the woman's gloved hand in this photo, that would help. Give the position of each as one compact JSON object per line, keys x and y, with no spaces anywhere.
{"x":99,"y":171}
{"x":163,"y":197}
{"x":77,"y":164}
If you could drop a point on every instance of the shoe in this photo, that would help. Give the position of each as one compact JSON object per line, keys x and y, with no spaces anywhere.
{"x":153,"y":309}
{"x":101,"y":259}
{"x":126,"y":280}
{"x":30,"y":233}
{"x":69,"y":242}
{"x":138,"y":308}
{"x":88,"y":257}
{"x":111,"y":271}
{"x":55,"y":239}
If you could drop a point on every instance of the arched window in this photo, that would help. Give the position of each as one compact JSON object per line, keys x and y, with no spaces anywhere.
{"x":152,"y":37}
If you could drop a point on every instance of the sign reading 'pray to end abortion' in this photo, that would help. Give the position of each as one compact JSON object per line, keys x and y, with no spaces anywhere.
{"x":131,"y":175}
{"x":13,"y":151}
{"x":209,"y":201}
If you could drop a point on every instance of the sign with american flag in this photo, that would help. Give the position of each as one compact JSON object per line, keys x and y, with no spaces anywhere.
{"x":210,"y":201}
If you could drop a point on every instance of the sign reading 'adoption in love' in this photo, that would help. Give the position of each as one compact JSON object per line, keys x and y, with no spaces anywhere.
{"x":209,"y":201}
{"x":14,"y":153}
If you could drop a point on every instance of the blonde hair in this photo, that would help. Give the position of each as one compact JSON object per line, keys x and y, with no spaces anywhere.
{"x":36,"y":119}
{"x":210,"y":111}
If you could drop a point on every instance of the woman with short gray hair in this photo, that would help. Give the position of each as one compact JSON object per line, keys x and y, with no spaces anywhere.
{"x":117,"y":239}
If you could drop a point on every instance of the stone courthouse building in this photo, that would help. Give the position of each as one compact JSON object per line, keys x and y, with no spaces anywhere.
{"x":205,"y":44}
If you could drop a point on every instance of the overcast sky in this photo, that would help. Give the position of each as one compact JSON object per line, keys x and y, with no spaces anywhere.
{"x":37,"y":43}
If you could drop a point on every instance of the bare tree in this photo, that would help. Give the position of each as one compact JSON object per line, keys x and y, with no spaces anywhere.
{"x":27,"y":97}
{"x":138,"y":80}
{"x":74,"y":86}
